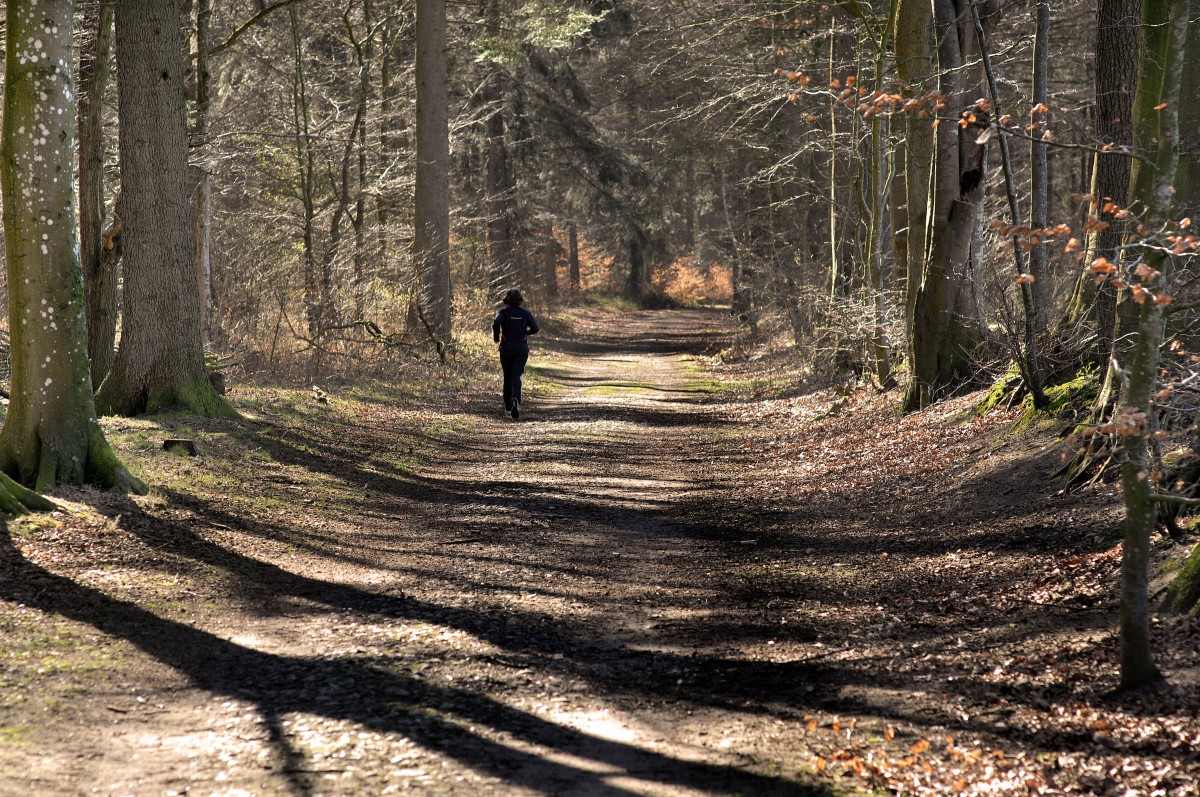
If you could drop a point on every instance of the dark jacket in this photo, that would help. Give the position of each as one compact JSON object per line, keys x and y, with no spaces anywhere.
{"x":512,"y":328}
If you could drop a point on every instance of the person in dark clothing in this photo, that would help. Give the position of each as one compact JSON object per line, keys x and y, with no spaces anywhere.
{"x":511,"y":329}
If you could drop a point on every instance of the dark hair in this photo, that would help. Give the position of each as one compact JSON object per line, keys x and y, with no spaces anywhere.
{"x":513,"y":298}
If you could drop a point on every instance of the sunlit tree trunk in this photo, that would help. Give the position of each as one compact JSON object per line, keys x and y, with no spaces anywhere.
{"x":306,"y":189}
{"x":1039,"y":178}
{"x":200,"y":173}
{"x":99,"y":272}
{"x":915,"y":66}
{"x":431,"y":245}
{"x":944,"y":324}
{"x":365,"y":53}
{"x":50,"y":434}
{"x":160,"y":362}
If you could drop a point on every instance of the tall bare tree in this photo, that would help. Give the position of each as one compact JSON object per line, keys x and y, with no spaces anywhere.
{"x":1156,"y":128}
{"x":160,"y":362}
{"x":431,"y":244}
{"x":50,"y":433}
{"x":99,"y":262}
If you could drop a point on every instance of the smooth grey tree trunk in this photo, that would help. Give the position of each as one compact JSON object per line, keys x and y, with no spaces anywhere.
{"x":1039,"y":182}
{"x":200,"y":176}
{"x":943,"y":326}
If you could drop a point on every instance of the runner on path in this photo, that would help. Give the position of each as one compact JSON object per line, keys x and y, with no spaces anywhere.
{"x":511,"y":329}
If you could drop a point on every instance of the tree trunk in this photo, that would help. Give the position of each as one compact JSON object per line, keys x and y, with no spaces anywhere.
{"x":875,"y":260}
{"x":945,"y":327}
{"x":99,"y":272}
{"x":836,"y":277}
{"x":1137,"y":661}
{"x":200,"y":175}
{"x":365,"y":53}
{"x":1039,"y":186}
{"x":160,"y":363}
{"x":573,"y":256}
{"x":637,"y":268}
{"x":550,"y":261}
{"x":306,"y":188}
{"x":431,"y":245}
{"x":1157,"y":133}
{"x":915,"y":66}
{"x":50,"y":433}
{"x":1117,"y":44}
{"x":898,"y":212}
{"x":1187,"y":200}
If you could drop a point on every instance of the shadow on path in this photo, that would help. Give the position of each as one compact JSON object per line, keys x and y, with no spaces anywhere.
{"x":371,"y":694}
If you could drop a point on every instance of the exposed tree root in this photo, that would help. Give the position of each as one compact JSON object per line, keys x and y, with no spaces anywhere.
{"x":16,"y":499}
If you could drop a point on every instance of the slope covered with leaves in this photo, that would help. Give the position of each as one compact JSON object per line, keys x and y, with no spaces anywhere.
{"x":963,"y":604}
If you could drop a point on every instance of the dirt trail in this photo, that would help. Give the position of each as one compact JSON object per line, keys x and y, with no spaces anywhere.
{"x":641,"y":588}
{"x":529,"y":613}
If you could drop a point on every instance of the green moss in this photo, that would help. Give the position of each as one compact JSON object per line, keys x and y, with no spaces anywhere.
{"x":1000,"y":392}
{"x":1183,"y":595}
{"x":1076,"y":394}
{"x":1079,"y":392}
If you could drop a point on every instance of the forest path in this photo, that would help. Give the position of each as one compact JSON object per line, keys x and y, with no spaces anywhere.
{"x":650,"y":585}
{"x":581,"y":544}
{"x":537,"y":608}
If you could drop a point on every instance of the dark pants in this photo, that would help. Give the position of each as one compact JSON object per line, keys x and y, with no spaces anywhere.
{"x":513,"y":362}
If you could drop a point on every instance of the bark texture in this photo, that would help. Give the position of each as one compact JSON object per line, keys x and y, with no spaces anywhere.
{"x":431,"y":245}
{"x":1117,"y":39}
{"x":1157,"y":132}
{"x":943,"y":322}
{"x":99,"y":271}
{"x":50,"y":433}
{"x":1188,"y":184}
{"x":160,"y":362}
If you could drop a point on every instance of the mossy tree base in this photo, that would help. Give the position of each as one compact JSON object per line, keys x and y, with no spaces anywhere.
{"x":120,"y":395}
{"x":50,"y":434}
{"x":15,"y":499}
{"x":1183,"y":596}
